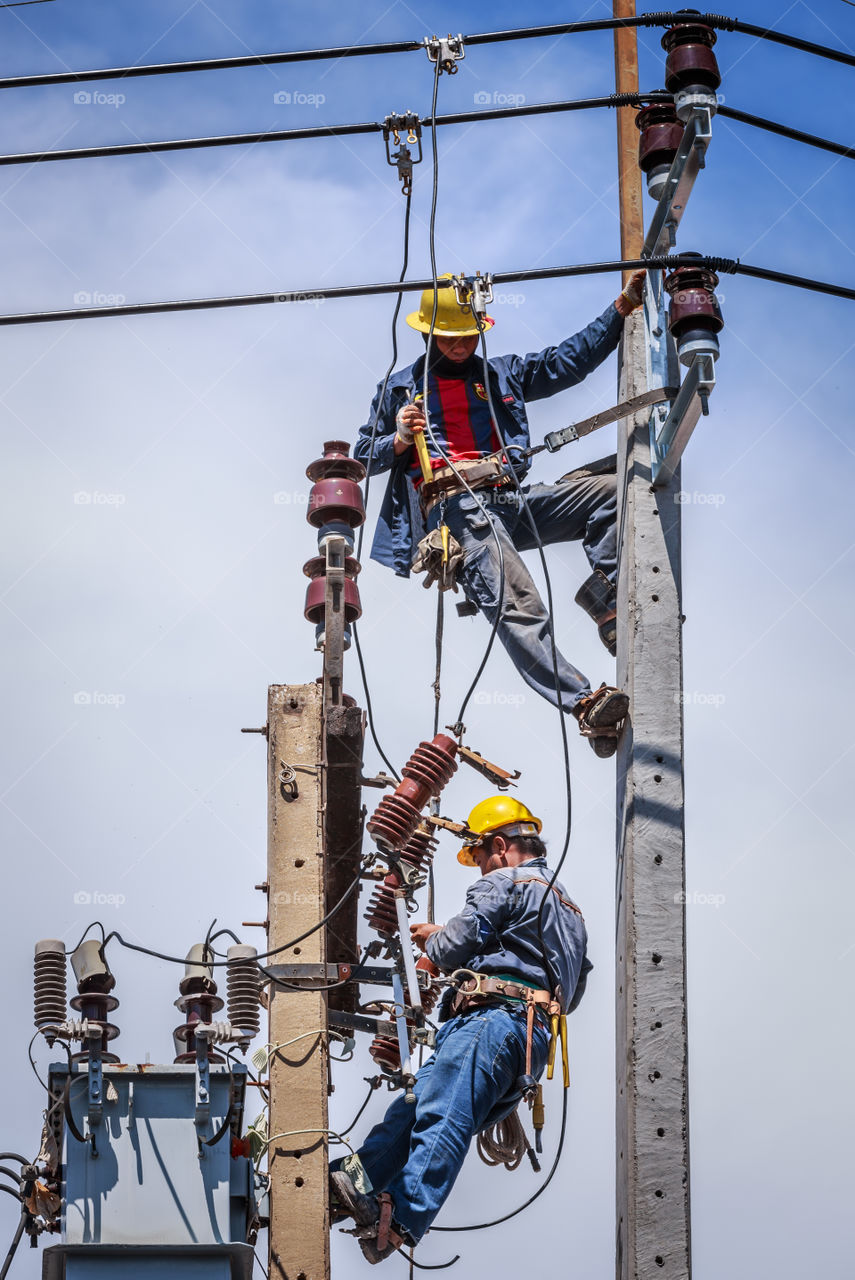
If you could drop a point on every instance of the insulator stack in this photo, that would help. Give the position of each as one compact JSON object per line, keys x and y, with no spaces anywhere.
{"x":243,"y":984}
{"x":694,"y":317}
{"x":691,"y":65}
{"x":336,"y":509}
{"x":419,"y":850}
{"x":198,"y":1002}
{"x":93,"y":1001}
{"x":50,"y":975}
{"x":661,"y":134}
{"x":429,"y":769}
{"x":386,"y":1053}
{"x":381,"y":914}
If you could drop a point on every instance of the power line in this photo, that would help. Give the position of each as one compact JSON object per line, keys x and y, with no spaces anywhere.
{"x":758,"y":122}
{"x":666,"y":19}
{"x":327,"y":131}
{"x":729,"y":266}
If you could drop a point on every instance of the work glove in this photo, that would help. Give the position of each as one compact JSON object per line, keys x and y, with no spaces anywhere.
{"x":409,"y":419}
{"x":429,"y":560}
{"x":632,"y":295}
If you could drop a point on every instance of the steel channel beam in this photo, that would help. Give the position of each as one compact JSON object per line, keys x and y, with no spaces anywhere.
{"x":668,"y":442}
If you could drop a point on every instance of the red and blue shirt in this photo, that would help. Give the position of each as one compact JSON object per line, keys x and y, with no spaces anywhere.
{"x":459,"y":416}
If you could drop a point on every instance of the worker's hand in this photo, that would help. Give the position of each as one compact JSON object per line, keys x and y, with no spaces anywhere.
{"x":410,"y":419}
{"x":632,"y":295}
{"x":419,"y":933}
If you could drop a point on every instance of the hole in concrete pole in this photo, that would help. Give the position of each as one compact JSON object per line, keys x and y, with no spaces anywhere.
{"x":297,"y":951}
{"x":660,"y":1195}
{"x":656,"y":958}
{"x":298,"y":1182}
{"x":655,"y":599}
{"x":660,"y":1133}
{"x":656,"y":568}
{"x":299,"y":862}
{"x":658,"y":859}
{"x":657,"y":777}
{"x":659,"y":1260}
{"x":660,"y":759}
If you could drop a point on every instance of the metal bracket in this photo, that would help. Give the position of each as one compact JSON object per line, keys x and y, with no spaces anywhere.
{"x":667,"y":444}
{"x":689,"y":160}
{"x":402,"y":159}
{"x":448,"y":50}
{"x":494,"y":773}
{"x":203,"y":1081}
{"x":309,"y":974}
{"x":333,"y":643}
{"x":95,"y":1086}
{"x":475,"y":292}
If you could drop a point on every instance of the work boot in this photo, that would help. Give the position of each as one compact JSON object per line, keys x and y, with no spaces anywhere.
{"x":383,"y":1238}
{"x":600,"y":717}
{"x":598,"y":597}
{"x":347,"y":1202}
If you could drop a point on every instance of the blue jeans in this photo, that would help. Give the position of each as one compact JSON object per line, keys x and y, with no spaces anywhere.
{"x":581,"y":506}
{"x":417,"y":1151}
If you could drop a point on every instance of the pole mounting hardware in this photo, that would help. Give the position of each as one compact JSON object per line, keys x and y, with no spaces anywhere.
{"x":501,"y":778}
{"x":446,"y":50}
{"x":475,"y":291}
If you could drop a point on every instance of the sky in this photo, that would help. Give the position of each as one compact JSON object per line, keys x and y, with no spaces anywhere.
{"x":154,"y":538}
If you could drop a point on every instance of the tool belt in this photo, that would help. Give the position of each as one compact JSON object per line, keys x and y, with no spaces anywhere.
{"x":478,"y":473}
{"x":476,"y":989}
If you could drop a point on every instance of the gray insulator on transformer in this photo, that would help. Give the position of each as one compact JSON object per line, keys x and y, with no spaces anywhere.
{"x":50,"y":977}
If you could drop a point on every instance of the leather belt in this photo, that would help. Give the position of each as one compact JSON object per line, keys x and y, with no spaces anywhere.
{"x":447,"y":482}
{"x":479,"y":988}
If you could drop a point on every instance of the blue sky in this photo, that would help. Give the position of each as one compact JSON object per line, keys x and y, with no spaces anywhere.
{"x":174,"y":596}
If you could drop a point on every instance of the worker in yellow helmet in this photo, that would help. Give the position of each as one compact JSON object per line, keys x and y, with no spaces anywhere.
{"x":521,"y":942}
{"x":471,"y":413}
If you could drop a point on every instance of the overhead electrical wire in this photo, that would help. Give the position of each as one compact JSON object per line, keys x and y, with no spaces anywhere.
{"x":658,"y":19}
{"x":732,"y":266}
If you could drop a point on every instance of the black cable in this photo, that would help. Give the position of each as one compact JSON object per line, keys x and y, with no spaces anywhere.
{"x":13,"y":1155}
{"x":16,"y":1240}
{"x":730,"y":266}
{"x":435,"y":285}
{"x":428,"y":1266}
{"x":324,"y":131}
{"x":480,"y":1226}
{"x":263,"y":955}
{"x":10,"y":1173}
{"x":96,"y":924}
{"x":10,"y":1191}
{"x":836,"y":148}
{"x":361,"y":535}
{"x":660,"y":19}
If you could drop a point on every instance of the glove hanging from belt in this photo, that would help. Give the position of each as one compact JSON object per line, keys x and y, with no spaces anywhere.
{"x":439,"y":556}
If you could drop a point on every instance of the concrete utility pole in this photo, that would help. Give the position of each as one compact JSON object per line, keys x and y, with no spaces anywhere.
{"x":653,"y":1226}
{"x":314,"y":830}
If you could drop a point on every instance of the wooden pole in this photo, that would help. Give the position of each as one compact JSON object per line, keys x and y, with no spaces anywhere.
{"x":653,"y":1225}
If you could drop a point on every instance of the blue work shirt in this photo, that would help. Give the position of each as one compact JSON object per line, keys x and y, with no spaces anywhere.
{"x":513,"y":381}
{"x":497,"y":933}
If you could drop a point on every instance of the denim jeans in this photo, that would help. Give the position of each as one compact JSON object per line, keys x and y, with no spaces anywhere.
{"x":417,"y":1151}
{"x":581,"y":506}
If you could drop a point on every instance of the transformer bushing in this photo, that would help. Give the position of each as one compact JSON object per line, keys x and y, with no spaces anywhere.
{"x":694,"y":316}
{"x":93,"y":1001}
{"x":428,"y":770}
{"x":691,"y":69}
{"x":198,"y":1002}
{"x":661,"y":133}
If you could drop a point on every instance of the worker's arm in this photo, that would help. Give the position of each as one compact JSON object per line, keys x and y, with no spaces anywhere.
{"x":383,"y":452}
{"x":554,"y":369}
{"x":470,"y":932}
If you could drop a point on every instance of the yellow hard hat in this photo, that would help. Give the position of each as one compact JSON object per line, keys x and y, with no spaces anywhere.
{"x":451,"y":317}
{"x":498,"y":814}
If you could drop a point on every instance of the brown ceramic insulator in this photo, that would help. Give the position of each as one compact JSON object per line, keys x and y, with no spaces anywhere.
{"x":382,"y":915}
{"x":385,"y":1053}
{"x":316,"y":592}
{"x":336,"y":499}
{"x":336,"y":463}
{"x":694,"y":304}
{"x":93,"y":1006}
{"x":428,"y":770}
{"x":199,"y":1005}
{"x":419,"y":850}
{"x":690,"y":60}
{"x":661,"y":135}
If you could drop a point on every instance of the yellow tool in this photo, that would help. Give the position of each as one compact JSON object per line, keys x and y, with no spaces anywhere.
{"x":444,"y":531}
{"x":553,"y":1042}
{"x":558,"y":1027}
{"x":422,"y":450}
{"x":565,"y":1064}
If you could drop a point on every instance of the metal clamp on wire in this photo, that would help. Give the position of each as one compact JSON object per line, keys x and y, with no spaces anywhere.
{"x":447,"y":51}
{"x":475,"y":292}
{"x":402,"y":159}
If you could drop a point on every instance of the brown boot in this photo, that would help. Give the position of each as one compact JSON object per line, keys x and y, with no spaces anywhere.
{"x":601,"y":715}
